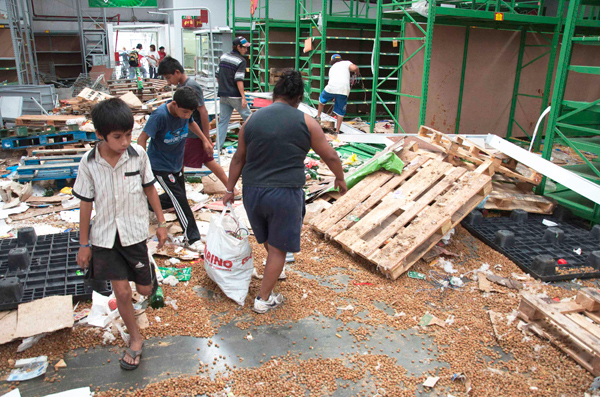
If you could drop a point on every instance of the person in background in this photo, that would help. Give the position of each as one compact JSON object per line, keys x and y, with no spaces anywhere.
{"x":135,"y":61}
{"x":338,"y":88}
{"x":230,"y":76}
{"x":124,"y":63}
{"x":116,"y":176}
{"x":272,"y":146}
{"x":153,"y":59}
{"x":161,"y":53}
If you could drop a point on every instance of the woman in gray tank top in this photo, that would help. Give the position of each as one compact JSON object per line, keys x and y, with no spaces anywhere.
{"x":272,"y":146}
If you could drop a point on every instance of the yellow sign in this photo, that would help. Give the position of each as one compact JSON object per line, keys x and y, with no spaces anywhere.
{"x":499,"y":16}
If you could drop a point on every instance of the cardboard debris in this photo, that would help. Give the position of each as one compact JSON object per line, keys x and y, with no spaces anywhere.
{"x":14,"y":193}
{"x":212,"y":185}
{"x":60,"y":364}
{"x":8,"y":326}
{"x":495,"y":319}
{"x":33,"y":318}
{"x":431,"y":381}
{"x":430,"y":319}
{"x":505,"y":281}
{"x":131,"y":100}
{"x":485,"y":285}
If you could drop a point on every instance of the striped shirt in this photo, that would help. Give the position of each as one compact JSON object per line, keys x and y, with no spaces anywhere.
{"x":232,"y":68}
{"x":118,"y":195}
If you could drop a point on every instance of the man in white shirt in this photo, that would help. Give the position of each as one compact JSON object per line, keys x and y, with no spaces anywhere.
{"x":338,"y":88}
{"x":153,"y":58}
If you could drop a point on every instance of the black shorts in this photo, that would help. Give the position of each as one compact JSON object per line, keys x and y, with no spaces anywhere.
{"x":276,"y":215}
{"x":122,"y":263}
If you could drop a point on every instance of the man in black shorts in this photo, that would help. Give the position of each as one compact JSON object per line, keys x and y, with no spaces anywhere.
{"x":117,"y":176}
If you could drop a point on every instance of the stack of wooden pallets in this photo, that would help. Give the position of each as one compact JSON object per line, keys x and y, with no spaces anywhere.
{"x":393,"y":220}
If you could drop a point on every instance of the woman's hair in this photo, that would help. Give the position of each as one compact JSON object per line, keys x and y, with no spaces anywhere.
{"x":290,"y":85}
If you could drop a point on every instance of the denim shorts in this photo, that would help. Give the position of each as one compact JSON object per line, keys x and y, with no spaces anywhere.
{"x":339,"y":106}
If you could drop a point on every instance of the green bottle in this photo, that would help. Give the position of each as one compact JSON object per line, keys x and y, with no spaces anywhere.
{"x":157,"y":299}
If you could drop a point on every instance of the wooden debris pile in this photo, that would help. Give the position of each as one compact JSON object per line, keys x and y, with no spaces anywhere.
{"x":513,"y":182}
{"x":152,"y":87}
{"x":572,"y":326}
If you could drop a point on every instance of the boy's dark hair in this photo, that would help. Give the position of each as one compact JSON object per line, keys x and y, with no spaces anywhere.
{"x":169,"y":65}
{"x":112,"y":115}
{"x":152,"y":46}
{"x":289,"y":86}
{"x":186,"y":98}
{"x":139,"y":46}
{"x":161,"y":47}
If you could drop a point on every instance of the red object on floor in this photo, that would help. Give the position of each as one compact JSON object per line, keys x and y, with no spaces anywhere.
{"x":561,"y":262}
{"x":261,"y":103}
{"x":357,"y":283}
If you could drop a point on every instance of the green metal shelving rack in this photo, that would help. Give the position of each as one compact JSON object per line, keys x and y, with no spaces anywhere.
{"x":575,"y":124}
{"x":320,"y":26}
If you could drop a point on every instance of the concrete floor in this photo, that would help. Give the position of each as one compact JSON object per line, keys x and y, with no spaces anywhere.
{"x":173,"y":356}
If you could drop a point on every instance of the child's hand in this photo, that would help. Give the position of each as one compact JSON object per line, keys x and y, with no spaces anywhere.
{"x":161,"y":233}
{"x":83,"y":257}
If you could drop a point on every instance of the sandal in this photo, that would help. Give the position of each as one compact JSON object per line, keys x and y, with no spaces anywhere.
{"x":133,"y":354}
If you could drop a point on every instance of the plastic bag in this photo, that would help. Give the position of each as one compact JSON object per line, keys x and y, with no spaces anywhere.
{"x":228,"y":255}
{"x":421,"y":7}
{"x":388,"y":161}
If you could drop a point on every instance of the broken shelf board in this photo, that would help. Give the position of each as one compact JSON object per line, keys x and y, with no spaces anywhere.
{"x":43,"y":119}
{"x":508,"y":197}
{"x":393,"y":220}
{"x":579,"y":184}
{"x":571,"y":326}
{"x":462,"y":149}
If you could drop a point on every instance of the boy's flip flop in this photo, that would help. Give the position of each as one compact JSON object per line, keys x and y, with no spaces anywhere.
{"x":133,"y":354}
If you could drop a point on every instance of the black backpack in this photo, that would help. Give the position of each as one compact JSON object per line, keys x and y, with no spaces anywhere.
{"x":134,"y":59}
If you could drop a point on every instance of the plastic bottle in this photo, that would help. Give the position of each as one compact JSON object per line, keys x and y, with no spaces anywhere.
{"x":157,"y":300}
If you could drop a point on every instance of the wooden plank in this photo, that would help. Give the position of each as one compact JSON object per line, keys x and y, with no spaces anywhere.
{"x":572,"y":328}
{"x":350,"y":200}
{"x":43,"y":152}
{"x":463,"y":148}
{"x":367,"y":248}
{"x":411,"y":189}
{"x":433,"y":220}
{"x":40,"y":211}
{"x":589,"y":298}
{"x":585,"y":324}
{"x":47,"y":166}
{"x":564,"y":342}
{"x":363,"y":208}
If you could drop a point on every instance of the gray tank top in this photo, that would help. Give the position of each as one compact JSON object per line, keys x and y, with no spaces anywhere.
{"x":277,"y":141}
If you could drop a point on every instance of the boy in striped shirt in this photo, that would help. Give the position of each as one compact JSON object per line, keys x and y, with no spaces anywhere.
{"x":116,"y":175}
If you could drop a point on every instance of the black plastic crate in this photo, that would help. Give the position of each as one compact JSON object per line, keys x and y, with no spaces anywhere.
{"x":53,"y":269}
{"x":532,"y":239}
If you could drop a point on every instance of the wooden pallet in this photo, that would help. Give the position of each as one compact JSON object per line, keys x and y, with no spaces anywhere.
{"x":42,"y":120}
{"x":574,"y":327}
{"x":393,"y":220}
{"x":463,"y":152}
{"x":508,"y":197}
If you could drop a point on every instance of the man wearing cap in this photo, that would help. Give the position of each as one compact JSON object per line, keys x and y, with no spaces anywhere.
{"x":338,"y":88}
{"x":230,"y":75}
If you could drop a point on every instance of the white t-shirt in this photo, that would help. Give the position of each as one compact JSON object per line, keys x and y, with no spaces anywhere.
{"x":339,"y":78}
{"x":151,"y":61}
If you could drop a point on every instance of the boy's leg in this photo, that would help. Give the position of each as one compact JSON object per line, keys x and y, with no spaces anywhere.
{"x":123,"y":294}
{"x":320,"y":110}
{"x":217,"y":170}
{"x":224,"y":116}
{"x":174,"y":186}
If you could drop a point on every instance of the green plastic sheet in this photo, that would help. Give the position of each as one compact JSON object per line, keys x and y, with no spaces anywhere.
{"x":388,"y":161}
{"x":181,"y":274}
